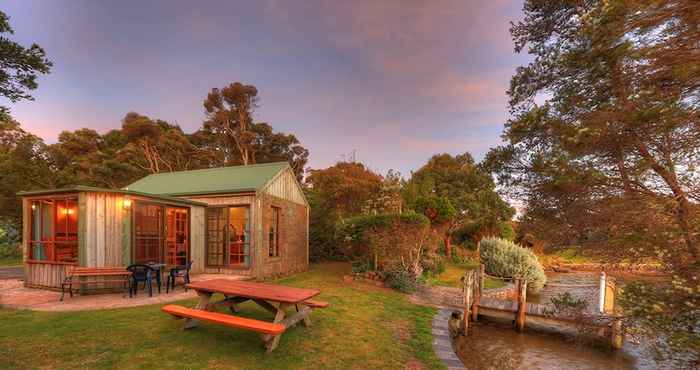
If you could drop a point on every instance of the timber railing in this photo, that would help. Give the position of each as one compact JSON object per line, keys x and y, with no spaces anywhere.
{"x":474,"y":298}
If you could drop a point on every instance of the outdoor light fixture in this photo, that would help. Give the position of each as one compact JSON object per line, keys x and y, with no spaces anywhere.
{"x":127,"y":203}
{"x":33,"y":206}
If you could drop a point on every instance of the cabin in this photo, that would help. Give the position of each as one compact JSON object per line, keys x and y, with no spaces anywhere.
{"x":244,"y":220}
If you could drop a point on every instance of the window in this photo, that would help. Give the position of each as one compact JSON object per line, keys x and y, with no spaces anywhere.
{"x":273,"y":235}
{"x":161,"y":234}
{"x":228,"y":236}
{"x":54,"y":235}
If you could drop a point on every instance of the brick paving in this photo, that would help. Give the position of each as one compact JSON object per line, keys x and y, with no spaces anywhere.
{"x":12,"y":272}
{"x":14,"y":295}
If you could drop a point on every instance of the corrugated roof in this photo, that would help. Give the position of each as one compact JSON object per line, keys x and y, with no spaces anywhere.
{"x":220,"y":180}
{"x":81,"y":188}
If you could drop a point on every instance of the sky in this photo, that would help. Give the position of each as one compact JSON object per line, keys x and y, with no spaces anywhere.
{"x":394,"y":81}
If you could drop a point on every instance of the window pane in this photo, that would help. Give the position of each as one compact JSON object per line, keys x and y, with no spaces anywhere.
{"x":148,"y":233}
{"x":216,"y":221}
{"x":177,"y":234}
{"x":239,"y":236}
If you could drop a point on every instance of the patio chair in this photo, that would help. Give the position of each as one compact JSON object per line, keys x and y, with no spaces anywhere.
{"x":141,"y":273}
{"x":176,"y":272}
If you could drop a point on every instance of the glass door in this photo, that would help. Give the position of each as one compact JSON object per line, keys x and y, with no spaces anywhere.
{"x":148,"y":233}
{"x":228,"y":236}
{"x":177,"y":236}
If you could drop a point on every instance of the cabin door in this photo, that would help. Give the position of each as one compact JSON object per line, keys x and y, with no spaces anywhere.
{"x":228,"y":236}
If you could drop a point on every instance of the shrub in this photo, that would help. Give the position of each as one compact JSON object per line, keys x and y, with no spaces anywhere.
{"x":388,"y":240}
{"x":506,"y":259}
{"x":9,"y":241}
{"x":401,"y":280}
{"x":433,"y":264}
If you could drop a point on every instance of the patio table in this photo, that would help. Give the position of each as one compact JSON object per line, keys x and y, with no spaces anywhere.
{"x":274,"y":298}
{"x":159,"y":268}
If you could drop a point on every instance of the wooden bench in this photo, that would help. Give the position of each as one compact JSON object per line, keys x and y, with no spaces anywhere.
{"x":105,"y":275}
{"x":315,"y":304}
{"x":226,"y":320}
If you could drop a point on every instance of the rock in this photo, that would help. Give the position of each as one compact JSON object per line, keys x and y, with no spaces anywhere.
{"x":348,"y":279}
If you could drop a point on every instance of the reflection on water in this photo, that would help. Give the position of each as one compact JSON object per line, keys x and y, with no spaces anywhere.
{"x":490,"y":344}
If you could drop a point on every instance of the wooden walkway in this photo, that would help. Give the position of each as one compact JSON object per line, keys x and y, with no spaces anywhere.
{"x":601,"y":321}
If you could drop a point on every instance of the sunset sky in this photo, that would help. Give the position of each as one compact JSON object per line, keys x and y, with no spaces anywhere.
{"x":396,"y":80}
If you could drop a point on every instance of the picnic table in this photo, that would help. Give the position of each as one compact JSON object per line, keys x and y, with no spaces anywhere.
{"x":274,"y":298}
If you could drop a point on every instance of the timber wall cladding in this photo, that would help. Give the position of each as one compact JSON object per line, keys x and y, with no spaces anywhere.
{"x":197,"y":236}
{"x":293,"y":237}
{"x":44,"y":275}
{"x":104,"y":228}
{"x":286,"y":186}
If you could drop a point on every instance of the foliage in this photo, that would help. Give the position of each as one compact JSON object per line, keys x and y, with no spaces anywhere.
{"x":333,"y":193}
{"x":358,"y":324}
{"x":230,"y":129}
{"x":668,"y":316}
{"x":455,"y":192}
{"x":608,"y":159}
{"x":345,"y":187}
{"x":391,"y":241}
{"x":401,"y":280}
{"x":566,"y":305}
{"x":9,"y":241}
{"x":19,"y":66}
{"x":433,"y":264}
{"x":504,"y":258}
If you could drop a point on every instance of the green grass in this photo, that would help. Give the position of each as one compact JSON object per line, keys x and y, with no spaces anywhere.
{"x":454,"y":272}
{"x":364,"y":328}
{"x":11,"y":261}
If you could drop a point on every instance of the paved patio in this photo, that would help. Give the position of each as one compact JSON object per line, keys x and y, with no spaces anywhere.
{"x":14,"y":295}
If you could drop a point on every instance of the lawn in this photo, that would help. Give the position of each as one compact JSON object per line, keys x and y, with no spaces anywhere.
{"x":364,"y":328}
{"x":10,"y":261}
{"x":454,"y":272}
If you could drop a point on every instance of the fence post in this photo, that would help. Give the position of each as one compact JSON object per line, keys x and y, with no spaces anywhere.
{"x":601,"y":293}
{"x":467,"y":290}
{"x":520,"y":314}
{"x":477,"y":295}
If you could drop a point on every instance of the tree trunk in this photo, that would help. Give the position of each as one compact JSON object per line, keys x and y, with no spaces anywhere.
{"x":448,"y":245}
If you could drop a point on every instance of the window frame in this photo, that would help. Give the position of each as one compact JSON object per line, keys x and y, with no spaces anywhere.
{"x":275,"y":216}
{"x":163,"y":230}
{"x":226,"y":237}
{"x":51,"y":244}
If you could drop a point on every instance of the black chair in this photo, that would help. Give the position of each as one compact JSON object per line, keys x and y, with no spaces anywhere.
{"x":141,"y":273}
{"x":176,"y":272}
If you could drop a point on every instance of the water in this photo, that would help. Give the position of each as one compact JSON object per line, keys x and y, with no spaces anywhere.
{"x":491,"y":344}
{"x":494,"y":344}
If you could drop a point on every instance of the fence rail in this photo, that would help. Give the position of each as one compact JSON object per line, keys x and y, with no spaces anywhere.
{"x":473,"y":287}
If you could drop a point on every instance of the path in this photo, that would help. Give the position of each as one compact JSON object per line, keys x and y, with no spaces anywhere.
{"x":12,"y":272}
{"x":14,"y":295}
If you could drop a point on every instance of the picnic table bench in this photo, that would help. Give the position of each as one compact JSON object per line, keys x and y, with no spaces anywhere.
{"x":93,"y":276}
{"x":274,"y":298}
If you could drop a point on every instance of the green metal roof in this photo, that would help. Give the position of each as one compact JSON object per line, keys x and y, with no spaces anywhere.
{"x":81,"y":188}
{"x":220,"y":180}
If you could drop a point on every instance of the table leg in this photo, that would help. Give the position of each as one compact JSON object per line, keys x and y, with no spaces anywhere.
{"x":204,"y":298}
{"x":271,"y":342}
{"x":306,"y":319}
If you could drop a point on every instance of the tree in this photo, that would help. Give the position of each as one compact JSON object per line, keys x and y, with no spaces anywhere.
{"x":229,"y":114}
{"x":464,"y":193}
{"x":335,"y":193}
{"x":609,"y":159}
{"x":232,"y":138}
{"x":23,"y":166}
{"x":19,"y":66}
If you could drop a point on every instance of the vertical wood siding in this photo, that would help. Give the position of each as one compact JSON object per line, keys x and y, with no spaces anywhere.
{"x":197,"y":227}
{"x":44,"y":275}
{"x":286,"y":186}
{"x":104,"y":229}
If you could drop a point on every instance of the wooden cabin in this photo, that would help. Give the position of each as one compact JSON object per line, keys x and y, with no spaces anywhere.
{"x":244,"y":220}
